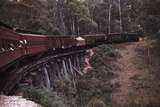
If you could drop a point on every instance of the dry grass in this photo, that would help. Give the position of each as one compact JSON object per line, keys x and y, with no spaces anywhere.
{"x":139,"y":63}
{"x":139,"y":77}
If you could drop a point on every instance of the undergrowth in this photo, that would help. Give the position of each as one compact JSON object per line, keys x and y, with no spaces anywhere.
{"x":109,"y":50}
{"x":139,"y":77}
{"x":133,"y":104}
{"x":43,"y":97}
{"x":97,"y":83}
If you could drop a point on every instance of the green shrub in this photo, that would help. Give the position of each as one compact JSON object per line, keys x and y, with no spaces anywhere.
{"x":43,"y":97}
{"x":110,"y":51}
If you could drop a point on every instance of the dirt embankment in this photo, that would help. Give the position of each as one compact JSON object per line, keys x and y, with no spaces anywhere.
{"x":139,"y":75}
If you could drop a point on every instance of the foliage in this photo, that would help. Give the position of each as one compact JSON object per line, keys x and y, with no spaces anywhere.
{"x":97,"y":83}
{"x":2,"y":3}
{"x":44,"y":97}
{"x":75,"y":17}
{"x":109,"y":50}
{"x":96,"y":102}
{"x":139,"y":77}
{"x":150,"y":16}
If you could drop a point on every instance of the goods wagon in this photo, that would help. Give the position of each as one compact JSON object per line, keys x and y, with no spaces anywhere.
{"x":80,"y":41}
{"x":89,"y":39}
{"x":122,"y":37}
{"x":99,"y":38}
{"x":94,"y":38}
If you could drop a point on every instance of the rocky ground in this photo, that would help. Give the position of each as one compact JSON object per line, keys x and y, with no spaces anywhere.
{"x":16,"y":101}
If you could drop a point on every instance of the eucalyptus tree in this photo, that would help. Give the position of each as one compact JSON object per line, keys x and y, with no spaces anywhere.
{"x":120,"y":16}
{"x":3,"y":2}
{"x":109,"y":16}
{"x":141,"y":15}
{"x":150,"y":20}
{"x":77,"y":17}
{"x":98,"y":10}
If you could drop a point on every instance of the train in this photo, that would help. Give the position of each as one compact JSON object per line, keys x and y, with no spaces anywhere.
{"x":15,"y":44}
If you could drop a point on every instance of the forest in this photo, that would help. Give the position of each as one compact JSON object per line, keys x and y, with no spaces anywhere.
{"x":76,"y":17}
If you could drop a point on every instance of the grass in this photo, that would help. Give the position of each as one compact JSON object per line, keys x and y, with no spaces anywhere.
{"x":96,"y":102}
{"x":103,"y":55}
{"x":138,"y":105}
{"x":139,"y":62}
{"x":97,"y":82}
{"x":139,"y":77}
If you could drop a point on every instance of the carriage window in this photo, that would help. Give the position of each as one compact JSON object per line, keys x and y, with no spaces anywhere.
{"x":13,"y":44}
{"x":3,"y":46}
{"x":8,"y":45}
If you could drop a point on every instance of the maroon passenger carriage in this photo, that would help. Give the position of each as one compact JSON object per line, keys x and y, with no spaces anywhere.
{"x":56,"y":42}
{"x":14,"y":45}
{"x":10,"y":47}
{"x":33,"y":43}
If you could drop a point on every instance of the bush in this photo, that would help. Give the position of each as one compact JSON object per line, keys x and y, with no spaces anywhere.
{"x":110,"y":51}
{"x":43,"y":97}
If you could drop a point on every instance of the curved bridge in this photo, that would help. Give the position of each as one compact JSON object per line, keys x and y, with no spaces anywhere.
{"x":22,"y":52}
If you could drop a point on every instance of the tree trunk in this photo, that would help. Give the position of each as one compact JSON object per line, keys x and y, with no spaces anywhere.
{"x":73,"y":27}
{"x":120,"y":14}
{"x":109,"y":19}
